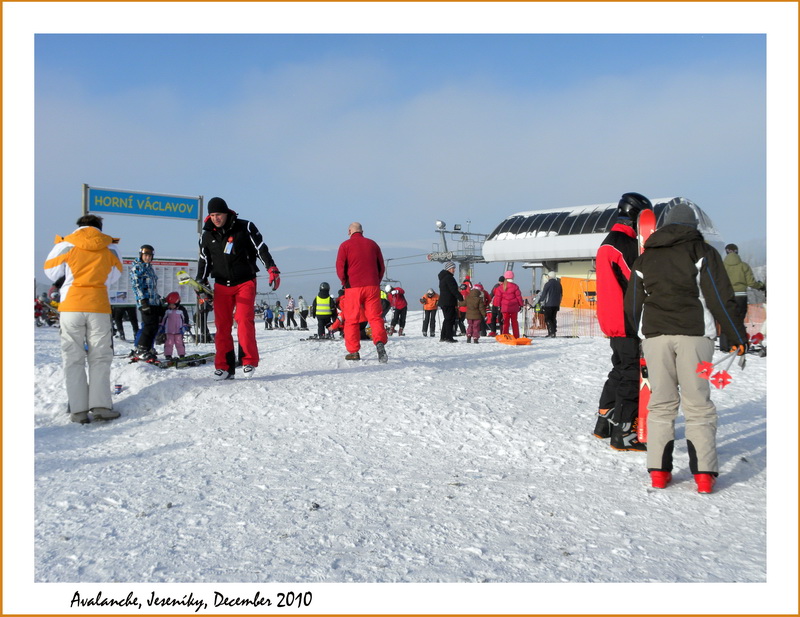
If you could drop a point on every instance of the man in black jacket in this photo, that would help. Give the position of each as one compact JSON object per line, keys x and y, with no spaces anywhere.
{"x":678,"y":288}
{"x":229,"y":247}
{"x":449,"y":297}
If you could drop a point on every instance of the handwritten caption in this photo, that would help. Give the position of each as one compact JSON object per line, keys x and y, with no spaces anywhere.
{"x":193,"y":602}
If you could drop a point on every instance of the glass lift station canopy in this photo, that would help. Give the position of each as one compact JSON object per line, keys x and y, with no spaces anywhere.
{"x":568,"y":234}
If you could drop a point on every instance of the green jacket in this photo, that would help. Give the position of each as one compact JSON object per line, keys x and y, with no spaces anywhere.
{"x":740,"y":274}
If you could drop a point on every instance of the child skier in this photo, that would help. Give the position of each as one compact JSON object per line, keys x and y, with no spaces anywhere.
{"x":268,"y":317}
{"x":174,"y":324}
{"x":323,"y":309}
{"x":475,"y":305}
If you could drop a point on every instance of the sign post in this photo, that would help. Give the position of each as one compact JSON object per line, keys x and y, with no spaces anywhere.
{"x":176,"y":207}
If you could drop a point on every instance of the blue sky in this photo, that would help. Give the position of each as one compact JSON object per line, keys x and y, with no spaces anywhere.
{"x":303,"y":133}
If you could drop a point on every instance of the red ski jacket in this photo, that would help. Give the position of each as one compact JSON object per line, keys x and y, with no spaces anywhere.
{"x":359,"y":262}
{"x":397,"y":298}
{"x":613,"y":266}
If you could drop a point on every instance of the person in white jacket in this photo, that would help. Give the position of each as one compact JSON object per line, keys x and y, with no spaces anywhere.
{"x":85,"y":263}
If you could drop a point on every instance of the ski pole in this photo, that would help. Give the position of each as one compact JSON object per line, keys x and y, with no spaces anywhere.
{"x":704,"y":369}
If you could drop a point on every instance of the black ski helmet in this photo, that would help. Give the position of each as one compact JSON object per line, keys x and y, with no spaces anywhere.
{"x":146,"y":247}
{"x":324,"y":287}
{"x":631,"y":204}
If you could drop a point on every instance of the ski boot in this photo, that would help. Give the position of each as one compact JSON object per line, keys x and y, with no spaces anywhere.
{"x":383,"y":358}
{"x":624,"y":439}
{"x":602,"y":429}
{"x":660,"y":479}
{"x":705,"y":482}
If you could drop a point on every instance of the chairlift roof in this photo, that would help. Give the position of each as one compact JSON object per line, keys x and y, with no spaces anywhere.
{"x":564,"y":234}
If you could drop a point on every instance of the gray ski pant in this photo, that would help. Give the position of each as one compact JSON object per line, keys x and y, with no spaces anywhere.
{"x":87,"y":372}
{"x":672,"y":366}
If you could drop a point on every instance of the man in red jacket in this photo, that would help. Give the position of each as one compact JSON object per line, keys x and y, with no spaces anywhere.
{"x":360,"y":267}
{"x":618,"y":408}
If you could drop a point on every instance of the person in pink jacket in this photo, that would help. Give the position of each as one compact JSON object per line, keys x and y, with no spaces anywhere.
{"x":174,"y":324}
{"x":509,"y":298}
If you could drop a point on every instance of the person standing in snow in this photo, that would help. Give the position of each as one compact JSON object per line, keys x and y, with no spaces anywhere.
{"x":678,"y":288}
{"x":144,"y":282}
{"x":618,"y":408}
{"x":119,"y":313}
{"x":509,"y":299}
{"x":550,"y":299}
{"x":280,"y":315}
{"x":449,"y":297}
{"x":475,"y":313}
{"x":487,"y":303}
{"x":360,"y":268}
{"x":323,"y":309}
{"x":290,"y":311}
{"x":302,"y":310}
{"x":88,"y":263}
{"x":497,"y":316}
{"x":386,"y":306}
{"x":174,"y":324}
{"x":741,"y":276}
{"x":268,"y":317}
{"x":430,"y":304}
{"x":397,"y":298}
{"x":229,"y":248}
{"x":461,"y":314}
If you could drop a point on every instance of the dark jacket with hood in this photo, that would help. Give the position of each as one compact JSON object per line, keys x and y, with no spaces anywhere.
{"x":449,"y":294}
{"x":237,"y":264}
{"x":679,"y":286}
{"x":551,"y":295}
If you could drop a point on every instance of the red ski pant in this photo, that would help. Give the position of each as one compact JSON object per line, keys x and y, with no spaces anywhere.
{"x":237,"y":302}
{"x":364,"y":301}
{"x":511,"y":319}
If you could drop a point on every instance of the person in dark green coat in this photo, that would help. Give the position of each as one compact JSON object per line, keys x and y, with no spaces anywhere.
{"x":741,"y":276}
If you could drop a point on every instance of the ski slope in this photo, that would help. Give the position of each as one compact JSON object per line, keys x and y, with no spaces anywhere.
{"x":450,"y":464}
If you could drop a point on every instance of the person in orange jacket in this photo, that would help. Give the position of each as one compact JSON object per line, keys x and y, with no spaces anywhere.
{"x":88,"y":263}
{"x":430,"y":304}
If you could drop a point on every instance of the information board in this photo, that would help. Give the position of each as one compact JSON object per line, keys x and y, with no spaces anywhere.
{"x":121,"y":293}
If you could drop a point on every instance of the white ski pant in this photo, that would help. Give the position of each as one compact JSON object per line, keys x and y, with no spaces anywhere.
{"x":86,"y":338}
{"x":672,"y":366}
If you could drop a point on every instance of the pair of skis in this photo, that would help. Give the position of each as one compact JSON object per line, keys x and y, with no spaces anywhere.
{"x":186,"y":361}
{"x":190,"y":360}
{"x":645,"y":225}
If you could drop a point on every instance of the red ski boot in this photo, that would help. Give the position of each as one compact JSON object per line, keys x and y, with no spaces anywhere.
{"x":705,"y":482}
{"x":660,"y":479}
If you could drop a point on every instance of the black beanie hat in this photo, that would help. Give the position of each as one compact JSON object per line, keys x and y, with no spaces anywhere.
{"x":217,"y":205}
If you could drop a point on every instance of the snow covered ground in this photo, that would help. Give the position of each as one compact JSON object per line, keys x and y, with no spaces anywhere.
{"x":450,"y":464}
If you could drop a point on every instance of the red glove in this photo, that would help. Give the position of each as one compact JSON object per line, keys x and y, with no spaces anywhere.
{"x":274,"y":277}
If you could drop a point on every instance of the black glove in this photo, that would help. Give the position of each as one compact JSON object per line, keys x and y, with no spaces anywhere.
{"x":145,"y":307}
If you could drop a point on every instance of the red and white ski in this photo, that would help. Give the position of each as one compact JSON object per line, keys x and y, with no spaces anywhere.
{"x":646,"y":225}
